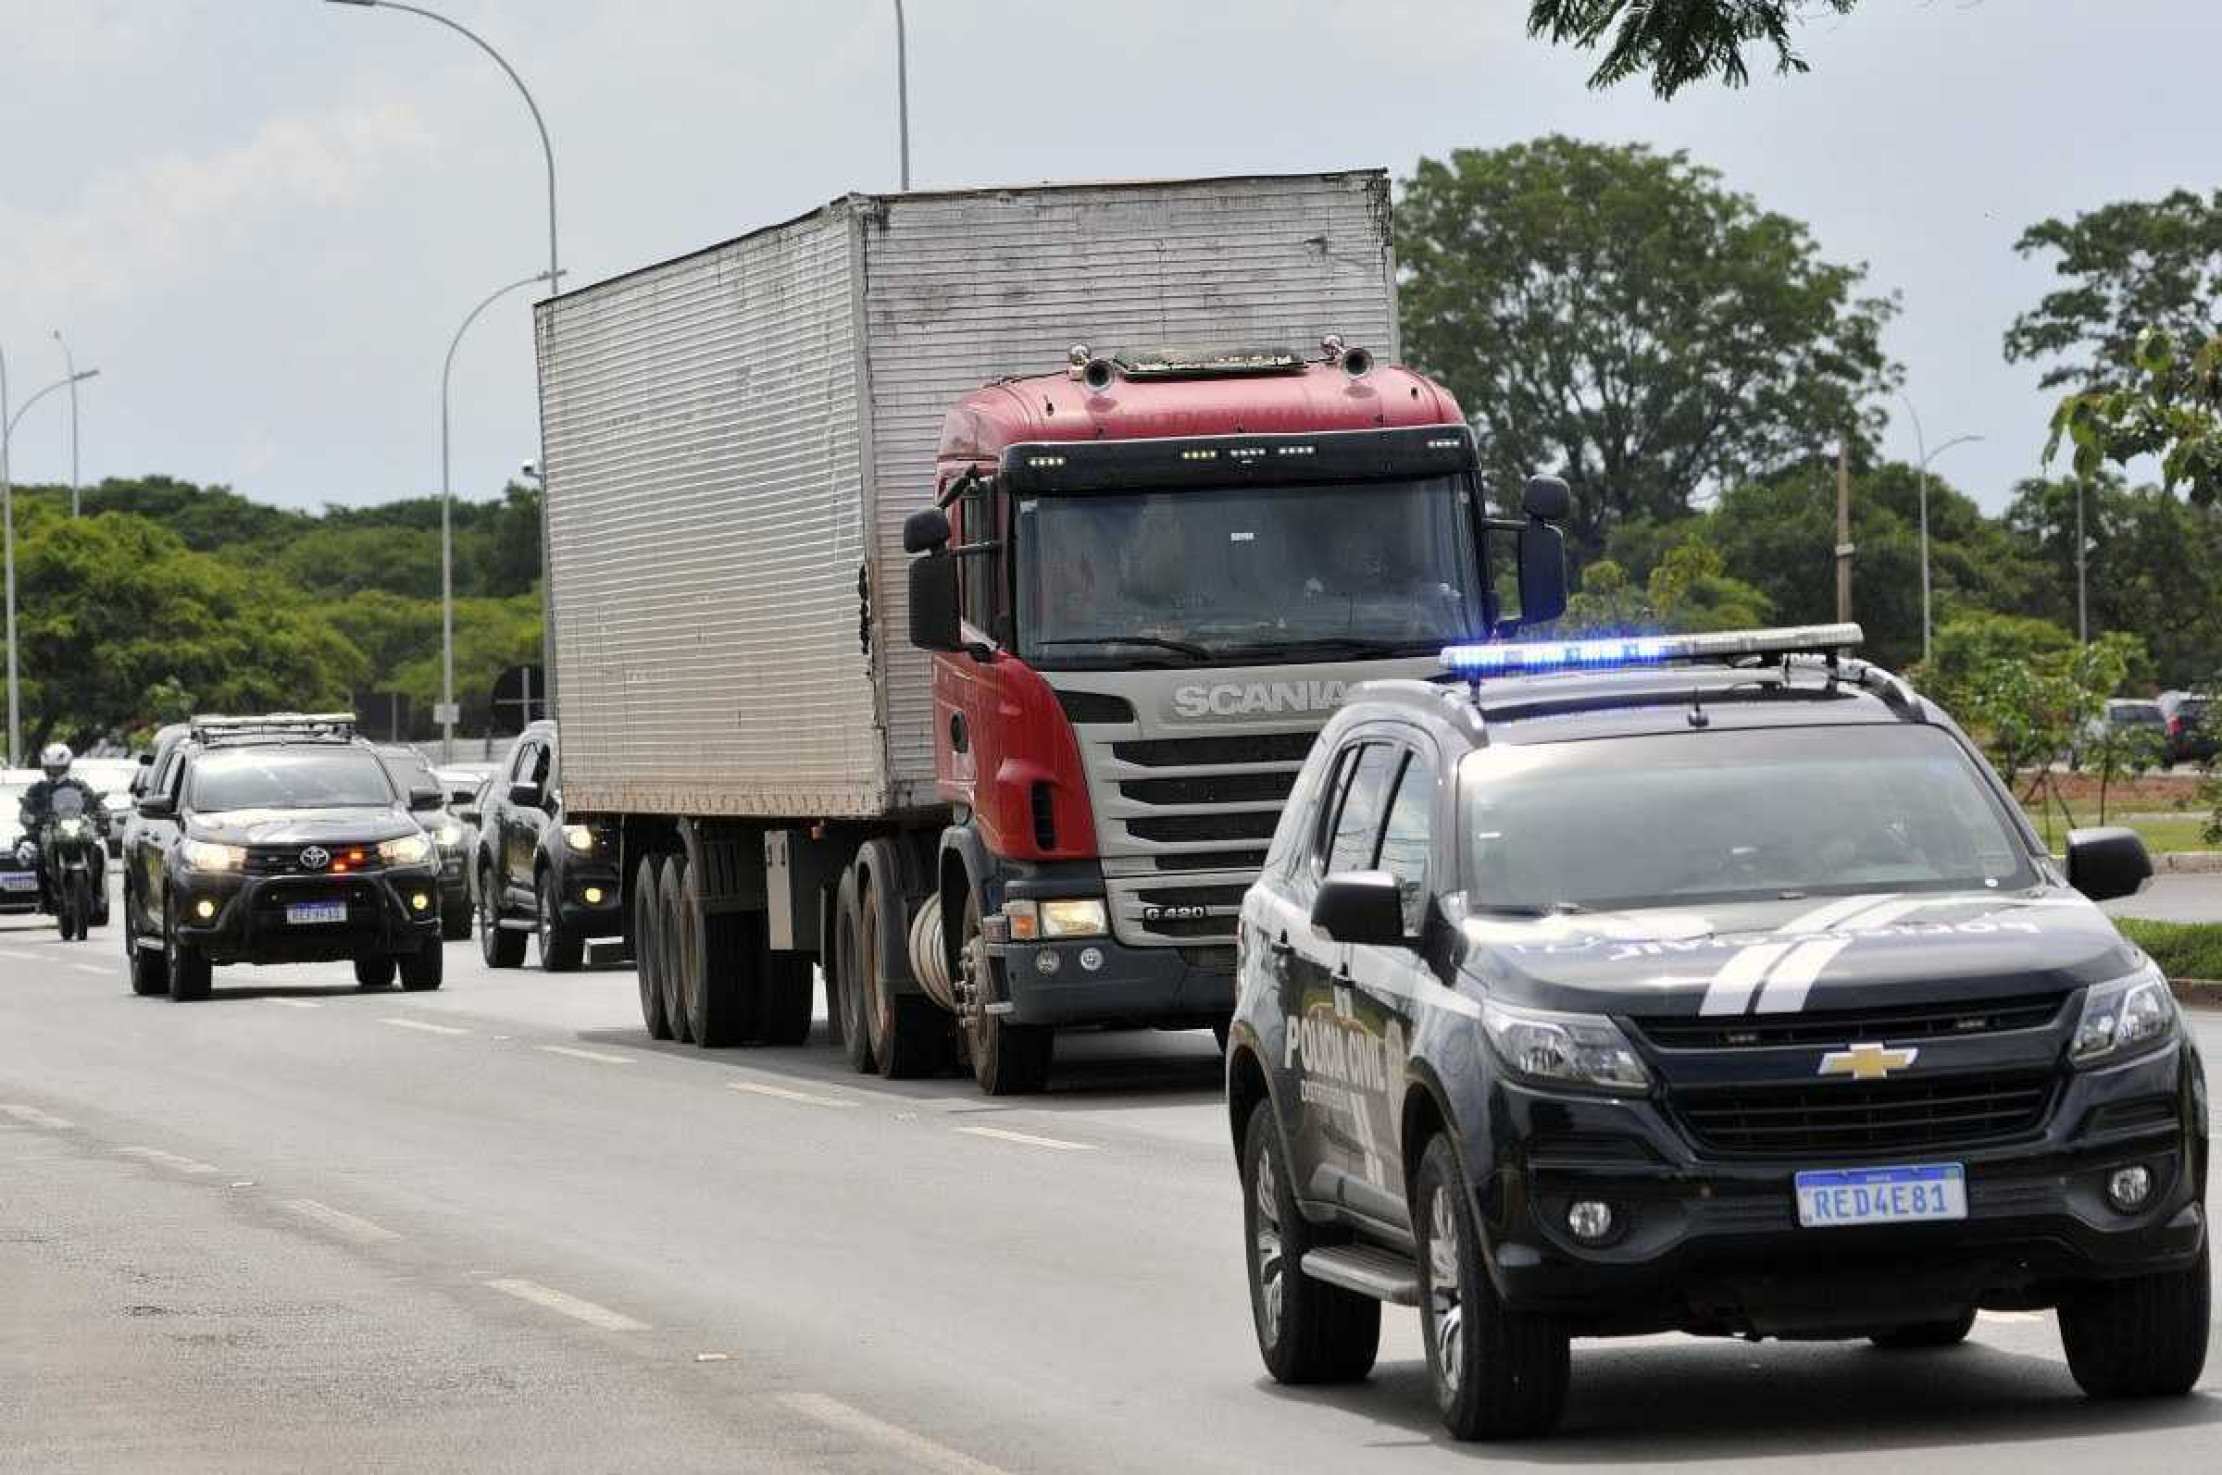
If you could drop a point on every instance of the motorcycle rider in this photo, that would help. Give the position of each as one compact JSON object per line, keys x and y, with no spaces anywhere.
{"x":38,"y":805}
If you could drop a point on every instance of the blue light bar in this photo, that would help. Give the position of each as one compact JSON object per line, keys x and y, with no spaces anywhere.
{"x":1616,"y":652}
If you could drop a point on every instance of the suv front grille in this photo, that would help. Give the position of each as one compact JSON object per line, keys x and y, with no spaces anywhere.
{"x":1864,"y":1117}
{"x":1842,"y":1026}
{"x":285,"y":860}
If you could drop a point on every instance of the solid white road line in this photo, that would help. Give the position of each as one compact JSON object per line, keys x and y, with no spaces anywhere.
{"x":1028,"y":1139}
{"x":31,"y":1116}
{"x":601,"y":1056}
{"x":294,"y":1003}
{"x":21,"y":957}
{"x":917,"y":1451}
{"x":571,"y":1306}
{"x":166,"y":1159}
{"x":758,"y":1088}
{"x":418,"y":1024}
{"x":2026,"y":1316}
{"x":94,"y":968}
{"x":340,"y":1222}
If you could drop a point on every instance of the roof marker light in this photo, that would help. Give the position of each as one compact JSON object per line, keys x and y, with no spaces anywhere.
{"x":1045,"y":460}
{"x":1445,"y":443}
{"x":1199,"y":455}
{"x":1513,"y":658}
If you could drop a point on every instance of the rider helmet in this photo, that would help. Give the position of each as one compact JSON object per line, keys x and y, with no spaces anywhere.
{"x":55,"y":759}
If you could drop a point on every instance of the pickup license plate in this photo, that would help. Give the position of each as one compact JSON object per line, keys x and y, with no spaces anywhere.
{"x":1829,"y":1199}
{"x":19,"y":881}
{"x":316,"y":913}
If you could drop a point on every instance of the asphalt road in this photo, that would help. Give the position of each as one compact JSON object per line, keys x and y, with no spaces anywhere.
{"x":495,"y":1227}
{"x":2175,"y":896}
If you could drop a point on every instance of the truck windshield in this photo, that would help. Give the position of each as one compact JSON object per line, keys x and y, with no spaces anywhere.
{"x":290,"y":778}
{"x":1247,"y":574}
{"x":1667,"y":819}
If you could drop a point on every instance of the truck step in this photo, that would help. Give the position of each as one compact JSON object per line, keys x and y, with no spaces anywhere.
{"x":1369,"y":1270}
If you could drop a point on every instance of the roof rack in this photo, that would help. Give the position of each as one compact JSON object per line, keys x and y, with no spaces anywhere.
{"x":326,"y":726}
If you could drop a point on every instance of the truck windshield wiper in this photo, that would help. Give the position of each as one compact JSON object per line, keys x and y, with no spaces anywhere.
{"x":1355,"y":645}
{"x":1159,"y":642}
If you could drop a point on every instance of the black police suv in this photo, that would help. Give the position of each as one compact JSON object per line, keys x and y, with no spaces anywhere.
{"x":412,"y":772}
{"x":536,"y":874}
{"x":278,"y":839}
{"x":1726,"y":992}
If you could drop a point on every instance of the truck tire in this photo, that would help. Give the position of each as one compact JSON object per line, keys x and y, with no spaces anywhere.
{"x":660,"y":940}
{"x":1308,"y":1331}
{"x":500,"y":947}
{"x":908,"y":1033}
{"x":561,"y":949}
{"x":1947,"y":1333}
{"x":718,"y":953}
{"x":185,"y":967}
{"x":2140,"y":1338}
{"x":679,"y":989}
{"x":375,"y":971}
{"x":424,"y":970}
{"x":1496,"y":1373}
{"x":1007,"y":1059}
{"x":786,"y":993}
{"x":845,"y":992}
{"x":647,"y":952}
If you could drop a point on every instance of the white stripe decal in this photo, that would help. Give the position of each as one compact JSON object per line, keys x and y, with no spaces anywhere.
{"x":1732,"y":986}
{"x":1787,"y":985}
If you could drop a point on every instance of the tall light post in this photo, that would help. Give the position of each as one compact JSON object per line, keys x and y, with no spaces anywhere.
{"x":447,"y":535}
{"x":1926,"y":456}
{"x":69,"y":362}
{"x":555,"y":272}
{"x":902,"y":89}
{"x":8,"y":423}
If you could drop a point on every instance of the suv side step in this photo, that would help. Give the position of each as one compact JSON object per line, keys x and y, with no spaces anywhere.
{"x":1369,"y":1270}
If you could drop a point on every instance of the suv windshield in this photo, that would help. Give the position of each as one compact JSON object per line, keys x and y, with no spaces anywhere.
{"x":290,"y":778}
{"x":1726,"y":815}
{"x":1254,"y":573}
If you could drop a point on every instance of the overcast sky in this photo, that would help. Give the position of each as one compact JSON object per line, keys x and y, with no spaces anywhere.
{"x":264,"y":219}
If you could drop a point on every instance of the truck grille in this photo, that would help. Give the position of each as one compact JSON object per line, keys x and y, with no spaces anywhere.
{"x":1245,"y":825}
{"x":1276,"y":747}
{"x":1842,"y":1026}
{"x":1864,"y":1117}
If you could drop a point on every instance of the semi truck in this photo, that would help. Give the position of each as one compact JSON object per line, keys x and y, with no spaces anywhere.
{"x":946,"y":587}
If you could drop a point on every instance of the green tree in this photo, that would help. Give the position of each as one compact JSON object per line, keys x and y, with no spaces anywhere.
{"x":1617,"y":317}
{"x":1686,"y":590}
{"x":2125,"y":268}
{"x":1677,"y":42}
{"x":2169,"y":407}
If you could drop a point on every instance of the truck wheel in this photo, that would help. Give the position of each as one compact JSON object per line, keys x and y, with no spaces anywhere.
{"x":660,"y":938}
{"x":1497,"y":1374}
{"x":845,"y":992}
{"x":423,"y":970}
{"x":1927,"y":1334}
{"x":1007,"y":1059}
{"x":500,"y":947}
{"x":374,"y":972}
{"x":786,"y":992}
{"x":2141,"y":1338}
{"x":907,"y":1033}
{"x":185,"y":967}
{"x":1308,"y":1331}
{"x":718,"y":952}
{"x":561,"y":949}
{"x":648,"y":957}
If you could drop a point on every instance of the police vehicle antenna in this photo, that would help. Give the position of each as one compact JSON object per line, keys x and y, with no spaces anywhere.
{"x":1698,"y":716}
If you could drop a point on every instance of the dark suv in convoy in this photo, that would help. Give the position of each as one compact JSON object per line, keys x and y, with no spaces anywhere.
{"x":413,"y":773}
{"x":2189,"y":738}
{"x":1706,"y":983}
{"x":535,"y":873}
{"x":279,"y":839}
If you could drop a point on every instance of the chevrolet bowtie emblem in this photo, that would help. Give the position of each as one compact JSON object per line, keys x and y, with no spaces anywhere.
{"x":1866,"y":1061}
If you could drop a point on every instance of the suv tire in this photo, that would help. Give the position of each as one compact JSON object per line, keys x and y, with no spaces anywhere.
{"x":375,"y":971}
{"x":149,"y":977}
{"x":423,"y":970}
{"x":1308,"y":1331}
{"x":561,"y":949}
{"x":1496,"y":1373}
{"x":2140,"y":1338}
{"x":185,"y":967}
{"x":1927,"y":1334}
{"x":499,"y":946}
{"x":455,"y":921}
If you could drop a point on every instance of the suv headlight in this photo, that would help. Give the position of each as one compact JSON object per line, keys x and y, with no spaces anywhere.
{"x":408,"y":850}
{"x":450,"y":835}
{"x":579,"y":837}
{"x":1564,"y":1049}
{"x":2124,"y":1018}
{"x":206,"y":855}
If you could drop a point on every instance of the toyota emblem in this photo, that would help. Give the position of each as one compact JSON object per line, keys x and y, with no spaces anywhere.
{"x":315,"y":858}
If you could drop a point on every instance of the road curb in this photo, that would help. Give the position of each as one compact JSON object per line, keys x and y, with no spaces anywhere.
{"x":2196,"y":862}
{"x":2201,"y":991}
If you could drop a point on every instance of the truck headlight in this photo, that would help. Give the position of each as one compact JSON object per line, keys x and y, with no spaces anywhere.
{"x":408,"y":850}
{"x":579,"y":837}
{"x":1564,"y":1049}
{"x":2124,"y":1018}
{"x":1078,"y":917}
{"x":206,"y":855}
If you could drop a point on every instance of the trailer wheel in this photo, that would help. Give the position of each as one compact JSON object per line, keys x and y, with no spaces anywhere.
{"x":845,"y":991}
{"x":784,"y":991}
{"x":724,"y":947}
{"x":1007,"y":1059}
{"x":664,"y":938}
{"x":648,"y":951}
{"x":907,"y":1034}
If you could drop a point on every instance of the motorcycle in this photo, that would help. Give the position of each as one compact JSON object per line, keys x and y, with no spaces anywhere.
{"x":68,"y":856}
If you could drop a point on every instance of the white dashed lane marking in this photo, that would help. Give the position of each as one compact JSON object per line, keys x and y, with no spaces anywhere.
{"x":340,"y":1222}
{"x":917,"y":1451}
{"x":94,"y":968}
{"x":571,"y":1306}
{"x":31,"y":1116}
{"x":294,"y":1003}
{"x":602,"y":1057}
{"x":782,"y":1093}
{"x":20,"y":957}
{"x":1028,"y":1139}
{"x":167,"y":1159}
{"x":419,"y":1024}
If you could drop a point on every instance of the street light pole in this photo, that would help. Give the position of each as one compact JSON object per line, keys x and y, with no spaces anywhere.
{"x":1925,"y":457}
{"x":447,"y":535}
{"x":902,"y":89}
{"x":69,"y":361}
{"x":8,"y":423}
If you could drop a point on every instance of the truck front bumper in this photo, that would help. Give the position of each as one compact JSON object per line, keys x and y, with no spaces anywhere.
{"x":1099,"y":980}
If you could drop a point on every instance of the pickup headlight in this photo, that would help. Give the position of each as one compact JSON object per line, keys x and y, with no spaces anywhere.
{"x":579,"y":837}
{"x":449,"y":835}
{"x":408,"y":850}
{"x":2124,"y":1018}
{"x":1554,"y":1049}
{"x":206,"y":855}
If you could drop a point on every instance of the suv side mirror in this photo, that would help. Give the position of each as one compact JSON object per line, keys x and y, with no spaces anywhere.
{"x":933,"y":600}
{"x":421,"y":800}
{"x":2106,"y":863}
{"x":525,"y":794}
{"x":156,"y":806}
{"x":1360,"y":906}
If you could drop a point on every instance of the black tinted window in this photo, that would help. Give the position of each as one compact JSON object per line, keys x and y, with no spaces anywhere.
{"x":1405,"y":839}
{"x":1358,"y":822}
{"x":290,"y":778}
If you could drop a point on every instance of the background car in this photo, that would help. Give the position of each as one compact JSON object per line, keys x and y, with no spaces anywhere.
{"x":2190,"y":739}
{"x":2122,"y":715}
{"x":112,"y":777}
{"x":411,"y":770}
{"x":19,"y":877}
{"x":533,"y":873}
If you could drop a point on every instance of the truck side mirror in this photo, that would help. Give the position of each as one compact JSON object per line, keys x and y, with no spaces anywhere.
{"x":2106,"y":863}
{"x":1546,"y":498}
{"x":925,"y":530}
{"x":933,"y":598}
{"x":1542,"y":572}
